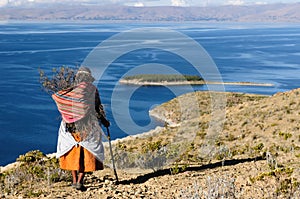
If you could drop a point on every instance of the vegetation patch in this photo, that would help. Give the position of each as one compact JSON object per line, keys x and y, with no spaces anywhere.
{"x":285,"y":135}
{"x":163,"y":78}
{"x":34,"y":169}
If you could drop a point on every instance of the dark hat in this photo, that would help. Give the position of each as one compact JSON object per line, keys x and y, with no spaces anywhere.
{"x":84,"y":74}
{"x":84,"y":69}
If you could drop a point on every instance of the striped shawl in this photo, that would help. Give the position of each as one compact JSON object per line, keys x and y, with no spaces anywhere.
{"x":76,"y":102}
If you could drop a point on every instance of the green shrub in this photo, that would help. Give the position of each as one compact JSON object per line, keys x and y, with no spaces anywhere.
{"x":151,"y":146}
{"x":35,"y":167}
{"x":163,"y":77}
{"x":285,"y":135}
{"x":259,"y":147}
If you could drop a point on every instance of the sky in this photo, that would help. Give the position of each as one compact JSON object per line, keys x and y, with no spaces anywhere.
{"x":149,"y":2}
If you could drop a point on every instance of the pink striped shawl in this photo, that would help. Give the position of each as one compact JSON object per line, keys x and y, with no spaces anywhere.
{"x":76,"y":102}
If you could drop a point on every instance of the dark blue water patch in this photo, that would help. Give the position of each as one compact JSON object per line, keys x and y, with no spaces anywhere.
{"x":14,"y":143}
{"x":288,"y":83}
{"x":262,"y":90}
{"x":140,"y":57}
{"x":26,"y":132}
{"x":144,"y":98}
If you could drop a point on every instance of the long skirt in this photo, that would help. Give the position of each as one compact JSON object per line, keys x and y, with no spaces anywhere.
{"x":79,"y":159}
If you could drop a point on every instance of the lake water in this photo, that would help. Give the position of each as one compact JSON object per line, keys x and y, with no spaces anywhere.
{"x":260,"y":53}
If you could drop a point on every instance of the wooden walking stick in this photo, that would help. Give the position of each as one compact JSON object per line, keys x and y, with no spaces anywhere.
{"x":112,"y":156}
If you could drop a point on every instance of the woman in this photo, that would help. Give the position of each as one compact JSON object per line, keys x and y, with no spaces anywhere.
{"x":79,"y":147}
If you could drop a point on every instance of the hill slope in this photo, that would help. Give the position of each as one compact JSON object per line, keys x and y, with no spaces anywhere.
{"x":255,"y":155}
{"x":253,"y":13}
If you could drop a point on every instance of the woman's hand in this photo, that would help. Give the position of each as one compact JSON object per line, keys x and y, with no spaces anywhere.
{"x":105,"y":122}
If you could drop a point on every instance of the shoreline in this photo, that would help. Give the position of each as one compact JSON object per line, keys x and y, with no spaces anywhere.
{"x":165,"y":83}
{"x":151,"y":132}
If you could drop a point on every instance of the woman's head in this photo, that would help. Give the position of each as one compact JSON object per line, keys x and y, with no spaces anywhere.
{"x":84,"y":74}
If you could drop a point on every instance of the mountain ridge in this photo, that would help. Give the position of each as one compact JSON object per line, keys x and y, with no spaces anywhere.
{"x":227,"y":13}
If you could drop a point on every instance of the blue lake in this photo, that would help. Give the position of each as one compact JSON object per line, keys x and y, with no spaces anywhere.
{"x":261,"y":53}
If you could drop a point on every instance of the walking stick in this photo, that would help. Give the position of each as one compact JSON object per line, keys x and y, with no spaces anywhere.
{"x":112,"y":156}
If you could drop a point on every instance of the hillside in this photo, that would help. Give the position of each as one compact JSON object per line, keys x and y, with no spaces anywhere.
{"x":253,"y":13}
{"x":256,"y":154}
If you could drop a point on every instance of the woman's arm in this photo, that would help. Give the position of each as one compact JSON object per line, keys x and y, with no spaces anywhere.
{"x":100,"y":110}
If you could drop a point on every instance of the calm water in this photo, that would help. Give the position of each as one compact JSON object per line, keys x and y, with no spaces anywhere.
{"x":29,"y":119}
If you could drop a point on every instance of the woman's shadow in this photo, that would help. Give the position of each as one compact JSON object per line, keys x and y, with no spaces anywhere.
{"x":143,"y":178}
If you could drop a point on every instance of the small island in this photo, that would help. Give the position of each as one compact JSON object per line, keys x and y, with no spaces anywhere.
{"x":177,"y":79}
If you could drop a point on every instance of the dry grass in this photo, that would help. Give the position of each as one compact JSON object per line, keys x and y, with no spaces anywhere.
{"x":255,"y":126}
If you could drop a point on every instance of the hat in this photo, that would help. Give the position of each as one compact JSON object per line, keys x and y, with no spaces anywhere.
{"x":83,"y":69}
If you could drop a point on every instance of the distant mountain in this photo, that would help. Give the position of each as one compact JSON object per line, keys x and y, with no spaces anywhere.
{"x":253,"y":13}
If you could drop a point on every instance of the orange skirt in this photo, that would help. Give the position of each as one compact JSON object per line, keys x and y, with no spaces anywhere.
{"x":79,"y":159}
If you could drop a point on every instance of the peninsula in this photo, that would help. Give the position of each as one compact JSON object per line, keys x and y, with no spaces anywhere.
{"x":176,"y":79}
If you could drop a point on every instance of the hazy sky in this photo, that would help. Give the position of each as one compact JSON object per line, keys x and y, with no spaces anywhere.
{"x":152,"y":2}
